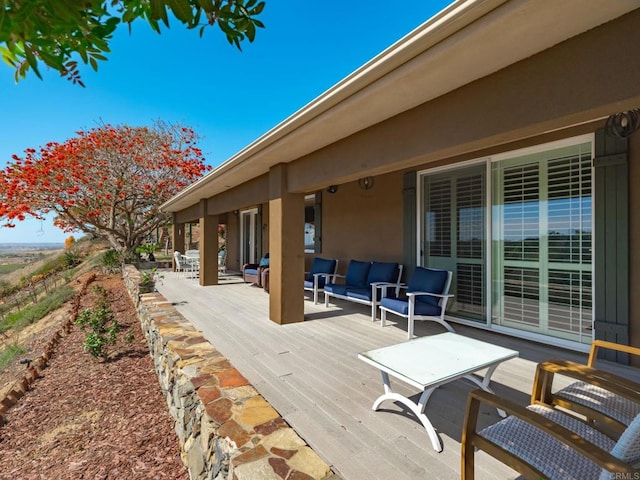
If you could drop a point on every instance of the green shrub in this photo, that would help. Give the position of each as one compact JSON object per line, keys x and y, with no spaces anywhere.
{"x":100,"y":323}
{"x":70,"y":259}
{"x":111,"y":260}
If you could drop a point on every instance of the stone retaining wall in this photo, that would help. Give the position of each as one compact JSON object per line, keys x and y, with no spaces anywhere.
{"x":226,"y":429}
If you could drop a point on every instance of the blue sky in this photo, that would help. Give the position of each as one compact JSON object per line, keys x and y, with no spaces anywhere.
{"x":229,"y":97}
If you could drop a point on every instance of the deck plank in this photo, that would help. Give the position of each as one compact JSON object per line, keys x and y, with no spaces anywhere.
{"x":310,"y":373}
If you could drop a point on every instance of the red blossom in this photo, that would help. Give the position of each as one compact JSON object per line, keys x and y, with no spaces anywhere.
{"x":102,"y":179}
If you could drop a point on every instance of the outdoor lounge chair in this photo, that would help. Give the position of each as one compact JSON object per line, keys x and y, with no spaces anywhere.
{"x":426,"y":299}
{"x":364,"y":283}
{"x":181,"y":266}
{"x":610,"y":409}
{"x":252,"y":272}
{"x":323,"y":270}
{"x":541,"y":442}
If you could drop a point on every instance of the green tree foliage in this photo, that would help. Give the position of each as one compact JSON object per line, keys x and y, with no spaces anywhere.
{"x":58,"y":33}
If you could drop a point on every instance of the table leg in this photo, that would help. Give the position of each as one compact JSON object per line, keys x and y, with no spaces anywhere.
{"x":417,"y":409}
{"x":484,"y":383}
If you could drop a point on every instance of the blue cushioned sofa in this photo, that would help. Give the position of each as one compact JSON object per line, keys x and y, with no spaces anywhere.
{"x":363,"y":283}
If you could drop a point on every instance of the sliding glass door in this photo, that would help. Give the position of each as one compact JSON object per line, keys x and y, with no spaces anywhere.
{"x":249,"y":236}
{"x":454,"y":217}
{"x":537,"y":274}
{"x":542,"y":234}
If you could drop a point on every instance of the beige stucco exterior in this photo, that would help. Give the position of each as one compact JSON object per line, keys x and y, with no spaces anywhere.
{"x":441,"y":97}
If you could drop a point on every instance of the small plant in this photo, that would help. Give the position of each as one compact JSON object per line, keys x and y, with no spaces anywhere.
{"x":148,"y":279}
{"x":70,"y":259}
{"x":111,"y":260}
{"x":101,"y":324}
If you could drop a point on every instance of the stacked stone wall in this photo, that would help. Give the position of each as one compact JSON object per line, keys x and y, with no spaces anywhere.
{"x":226,"y":429}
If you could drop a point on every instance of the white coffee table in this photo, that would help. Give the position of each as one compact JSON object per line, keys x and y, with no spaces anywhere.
{"x":428,"y":362}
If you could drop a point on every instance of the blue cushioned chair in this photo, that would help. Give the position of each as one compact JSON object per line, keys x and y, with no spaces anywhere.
{"x":323,"y":270}
{"x":365,"y":282}
{"x":426,"y":299}
{"x":252,"y":272}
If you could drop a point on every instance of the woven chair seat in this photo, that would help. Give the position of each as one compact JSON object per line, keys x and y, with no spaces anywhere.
{"x":601,"y":400}
{"x":551,"y":456}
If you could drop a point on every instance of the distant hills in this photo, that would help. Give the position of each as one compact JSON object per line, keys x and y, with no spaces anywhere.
{"x":10,"y":247}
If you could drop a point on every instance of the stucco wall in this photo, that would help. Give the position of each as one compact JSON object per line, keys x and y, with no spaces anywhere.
{"x":363,"y":224}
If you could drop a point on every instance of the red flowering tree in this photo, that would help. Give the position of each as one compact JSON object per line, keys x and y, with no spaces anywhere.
{"x":107,"y":182}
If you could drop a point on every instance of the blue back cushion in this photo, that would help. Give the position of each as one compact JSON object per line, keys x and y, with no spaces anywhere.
{"x":264,"y":261}
{"x":383,"y":272}
{"x":428,"y":280}
{"x":321,"y":265}
{"x":357,"y":273}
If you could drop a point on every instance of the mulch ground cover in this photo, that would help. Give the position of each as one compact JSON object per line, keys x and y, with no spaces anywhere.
{"x":90,"y":419}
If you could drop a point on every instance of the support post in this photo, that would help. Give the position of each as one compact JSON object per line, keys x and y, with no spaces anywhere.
{"x":208,"y":246}
{"x":286,"y":250}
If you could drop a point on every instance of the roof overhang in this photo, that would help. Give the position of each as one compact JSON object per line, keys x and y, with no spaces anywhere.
{"x":468,"y":40}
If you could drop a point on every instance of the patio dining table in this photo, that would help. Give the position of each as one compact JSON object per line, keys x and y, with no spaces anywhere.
{"x":429,"y":362}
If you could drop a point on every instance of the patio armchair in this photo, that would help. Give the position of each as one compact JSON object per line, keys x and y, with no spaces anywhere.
{"x":539,"y":441}
{"x":323,"y":270}
{"x":364,"y":283}
{"x":252,"y":272}
{"x":222,"y":262}
{"x":181,"y":266}
{"x":425,"y":298}
{"x":192,"y":264}
{"x":609,"y":401}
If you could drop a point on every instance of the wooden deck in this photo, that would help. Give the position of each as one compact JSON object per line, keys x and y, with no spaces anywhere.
{"x":310,"y":373}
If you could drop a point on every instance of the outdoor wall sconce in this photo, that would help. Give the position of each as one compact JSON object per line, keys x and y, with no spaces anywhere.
{"x":332,"y":188}
{"x":623,"y":124}
{"x":365,"y":183}
{"x":236,"y":213}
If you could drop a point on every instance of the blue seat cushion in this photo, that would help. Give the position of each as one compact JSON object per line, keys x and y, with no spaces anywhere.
{"x":359,"y":293}
{"x":308,"y":284}
{"x":357,"y":274}
{"x":250,"y":271}
{"x":321,"y":265}
{"x":382,"y":272}
{"x":428,"y":280}
{"x":338,"y":289}
{"x":402,"y":307}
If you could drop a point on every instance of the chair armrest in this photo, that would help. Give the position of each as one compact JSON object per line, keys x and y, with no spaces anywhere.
{"x":598,"y":344}
{"x":585,"y":448}
{"x":326,"y":275}
{"x":616,"y":384}
{"x":417,"y":294}
{"x":383,"y":286}
{"x":332,"y":276}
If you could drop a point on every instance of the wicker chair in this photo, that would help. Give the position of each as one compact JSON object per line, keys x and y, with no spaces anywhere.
{"x":611,"y":408}
{"x":540,"y":441}
{"x":252,"y":272}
